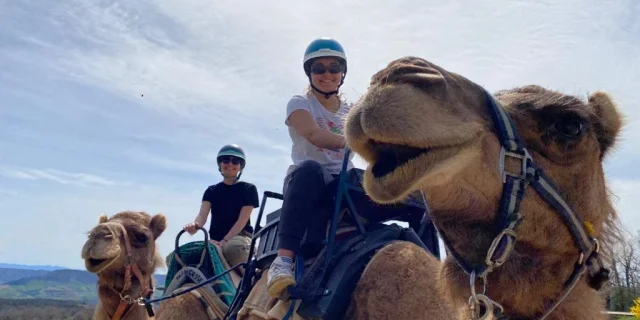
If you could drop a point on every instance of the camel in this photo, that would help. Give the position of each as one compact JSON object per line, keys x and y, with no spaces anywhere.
{"x":424,"y":129}
{"x":121,"y":251}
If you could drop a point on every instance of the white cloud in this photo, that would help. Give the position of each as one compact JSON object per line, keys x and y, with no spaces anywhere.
{"x":216,"y":72}
{"x":79,"y":179}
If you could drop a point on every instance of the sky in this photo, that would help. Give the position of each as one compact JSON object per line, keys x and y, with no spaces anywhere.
{"x":122,"y":105}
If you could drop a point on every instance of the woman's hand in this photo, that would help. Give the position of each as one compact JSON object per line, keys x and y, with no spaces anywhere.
{"x":191,"y":228}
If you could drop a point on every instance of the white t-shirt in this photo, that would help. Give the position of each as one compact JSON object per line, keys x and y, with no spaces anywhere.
{"x":304,"y":150}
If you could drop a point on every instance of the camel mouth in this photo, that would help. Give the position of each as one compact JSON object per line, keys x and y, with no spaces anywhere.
{"x":390,"y":157}
{"x":395,"y":170}
{"x":97,"y":265}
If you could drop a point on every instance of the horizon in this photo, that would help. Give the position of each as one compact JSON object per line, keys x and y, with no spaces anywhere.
{"x":113,"y":106}
{"x":51,"y":268}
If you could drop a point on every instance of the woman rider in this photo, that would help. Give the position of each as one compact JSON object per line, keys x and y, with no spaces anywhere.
{"x":230,"y":202}
{"x":315,"y":122}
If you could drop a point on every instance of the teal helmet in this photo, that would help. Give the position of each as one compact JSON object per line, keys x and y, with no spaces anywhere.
{"x":232,"y":150}
{"x":323,"y":47}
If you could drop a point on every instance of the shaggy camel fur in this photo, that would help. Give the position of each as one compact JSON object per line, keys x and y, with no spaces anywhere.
{"x":421,"y":127}
{"x":121,"y":250}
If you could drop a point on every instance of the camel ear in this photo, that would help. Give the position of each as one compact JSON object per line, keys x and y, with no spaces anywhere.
{"x":158,"y":225}
{"x":608,"y":120}
{"x":103,"y":218}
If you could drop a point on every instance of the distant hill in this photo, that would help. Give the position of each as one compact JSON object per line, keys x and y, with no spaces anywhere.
{"x":58,"y":284}
{"x":30,"y":267}
{"x":11,"y":274}
{"x":59,"y":276}
{"x":65,"y":284}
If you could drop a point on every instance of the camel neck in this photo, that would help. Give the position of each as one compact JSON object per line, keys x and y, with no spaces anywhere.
{"x":109,"y":292}
{"x":526,"y":284}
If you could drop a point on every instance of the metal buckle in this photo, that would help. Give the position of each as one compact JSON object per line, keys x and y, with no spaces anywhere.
{"x":477,"y":313}
{"x":141,"y":302}
{"x":472,"y":285}
{"x":494,"y":245}
{"x":596,"y":245}
{"x":478,"y":301}
{"x":521,"y":157}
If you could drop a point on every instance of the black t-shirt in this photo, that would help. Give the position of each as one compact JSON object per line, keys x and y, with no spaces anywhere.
{"x":226,"y":202}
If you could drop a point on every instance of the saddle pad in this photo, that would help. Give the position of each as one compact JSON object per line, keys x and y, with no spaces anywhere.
{"x":191,"y":253}
{"x":235,"y":278}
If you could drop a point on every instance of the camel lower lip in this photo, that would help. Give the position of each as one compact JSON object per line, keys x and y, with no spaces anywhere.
{"x":95,"y":264}
{"x":391,"y":157}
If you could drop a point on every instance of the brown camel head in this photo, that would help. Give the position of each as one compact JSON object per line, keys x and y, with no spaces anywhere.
{"x":104,"y":251}
{"x":423,"y":128}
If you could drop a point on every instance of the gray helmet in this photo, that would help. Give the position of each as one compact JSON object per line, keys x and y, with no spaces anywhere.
{"x":233,"y":150}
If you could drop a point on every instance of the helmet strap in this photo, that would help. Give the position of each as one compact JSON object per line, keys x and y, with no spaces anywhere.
{"x":327,"y":95}
{"x":223,"y":177}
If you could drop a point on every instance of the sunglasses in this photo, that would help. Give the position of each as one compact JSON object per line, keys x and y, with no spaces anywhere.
{"x":227,"y":160}
{"x":321,"y":69}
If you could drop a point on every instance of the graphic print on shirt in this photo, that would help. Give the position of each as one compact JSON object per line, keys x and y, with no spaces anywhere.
{"x":337,"y":128}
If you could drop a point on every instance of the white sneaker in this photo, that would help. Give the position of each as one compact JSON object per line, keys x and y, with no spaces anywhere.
{"x":280,"y":276}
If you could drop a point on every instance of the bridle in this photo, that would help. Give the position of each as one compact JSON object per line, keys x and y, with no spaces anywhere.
{"x":126,"y":299}
{"x":509,"y":217}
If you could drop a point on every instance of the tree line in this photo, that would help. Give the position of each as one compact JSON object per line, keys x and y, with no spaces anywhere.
{"x":625,"y":273}
{"x":44,"y":309}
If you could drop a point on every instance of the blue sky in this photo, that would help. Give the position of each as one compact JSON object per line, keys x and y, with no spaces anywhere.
{"x":116,"y":105}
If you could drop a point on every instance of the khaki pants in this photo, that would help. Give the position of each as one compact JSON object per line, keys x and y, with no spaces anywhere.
{"x":236,"y":250}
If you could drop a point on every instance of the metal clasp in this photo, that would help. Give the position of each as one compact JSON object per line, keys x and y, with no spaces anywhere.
{"x":472,"y":285}
{"x":483,"y":308}
{"x":494,"y":245}
{"x":480,"y":306}
{"x":520,"y":157}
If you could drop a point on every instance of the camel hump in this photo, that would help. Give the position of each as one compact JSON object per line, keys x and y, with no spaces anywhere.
{"x":404,"y":292}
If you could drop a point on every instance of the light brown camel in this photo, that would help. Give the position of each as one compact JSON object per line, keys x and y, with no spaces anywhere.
{"x":121,"y":251}
{"x":441,"y":124}
{"x":423,"y":128}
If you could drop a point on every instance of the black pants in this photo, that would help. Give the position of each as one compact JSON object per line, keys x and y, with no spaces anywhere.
{"x":305,"y":209}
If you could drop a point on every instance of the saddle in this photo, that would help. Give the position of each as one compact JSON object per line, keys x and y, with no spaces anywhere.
{"x":326,"y":292}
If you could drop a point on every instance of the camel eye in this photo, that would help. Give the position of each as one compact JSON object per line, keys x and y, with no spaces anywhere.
{"x":570,"y":126}
{"x":140,"y":239}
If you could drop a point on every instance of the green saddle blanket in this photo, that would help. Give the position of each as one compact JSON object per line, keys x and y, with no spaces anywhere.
{"x":191,"y":255}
